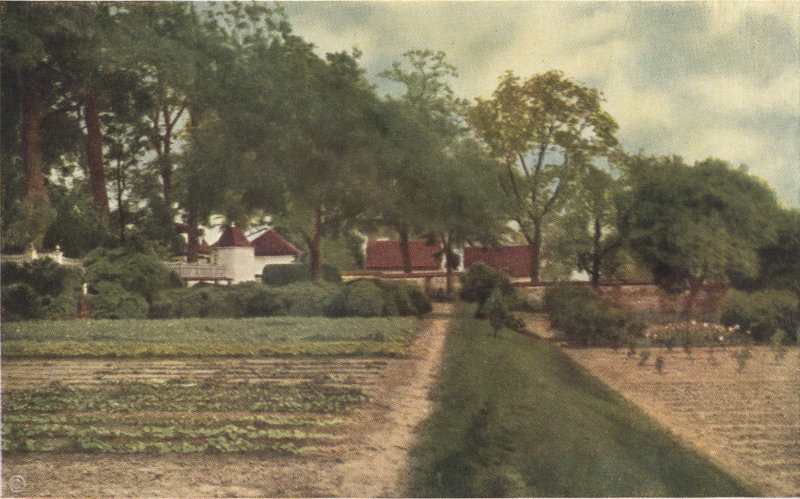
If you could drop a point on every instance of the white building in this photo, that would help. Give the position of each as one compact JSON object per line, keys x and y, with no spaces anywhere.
{"x":242,"y":260}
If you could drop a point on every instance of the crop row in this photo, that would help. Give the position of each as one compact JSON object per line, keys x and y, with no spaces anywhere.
{"x":17,"y":431}
{"x":211,"y":445}
{"x":143,"y":396}
{"x":140,"y":349}
{"x":195,"y":421}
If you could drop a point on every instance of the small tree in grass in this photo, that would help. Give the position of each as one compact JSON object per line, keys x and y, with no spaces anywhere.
{"x":496,"y":310}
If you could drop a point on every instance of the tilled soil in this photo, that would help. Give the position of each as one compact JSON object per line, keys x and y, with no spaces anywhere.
{"x":748,"y":421}
{"x":367,"y":457}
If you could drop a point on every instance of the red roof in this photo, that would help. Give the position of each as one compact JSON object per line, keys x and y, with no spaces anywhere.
{"x":515,"y":260}
{"x":270,"y":243}
{"x":204,"y":248}
{"x":232,"y":236}
{"x":385,"y":255}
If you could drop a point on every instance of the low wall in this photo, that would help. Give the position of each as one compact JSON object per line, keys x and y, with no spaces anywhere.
{"x":633,"y":294}
{"x":640,"y":295}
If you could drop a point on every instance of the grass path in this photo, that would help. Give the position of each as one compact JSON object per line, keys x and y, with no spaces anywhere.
{"x":514,"y":416}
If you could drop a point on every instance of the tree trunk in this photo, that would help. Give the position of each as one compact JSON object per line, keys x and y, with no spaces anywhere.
{"x":166,"y":171}
{"x":313,"y":247}
{"x":536,"y":249}
{"x":193,"y":235}
{"x":94,"y":156}
{"x":448,"y":265}
{"x":405,"y":252}
{"x":32,"y":134}
{"x":695,"y":285}
{"x":596,"y":254}
{"x":120,"y":207}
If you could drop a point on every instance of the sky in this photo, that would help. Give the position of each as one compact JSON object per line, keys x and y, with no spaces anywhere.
{"x":694,"y":79}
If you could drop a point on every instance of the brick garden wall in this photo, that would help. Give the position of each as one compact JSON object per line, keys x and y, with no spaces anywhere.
{"x":637,"y":295}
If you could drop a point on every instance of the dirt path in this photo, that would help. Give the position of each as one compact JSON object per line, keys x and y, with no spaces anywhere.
{"x":748,"y":421}
{"x":368,"y":459}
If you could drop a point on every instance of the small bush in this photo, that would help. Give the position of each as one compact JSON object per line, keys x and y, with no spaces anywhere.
{"x":763,"y":312}
{"x":109,"y":300}
{"x":480,"y":280}
{"x":408,"y":298}
{"x":360,"y":298}
{"x":419,"y":300}
{"x":136,"y":272}
{"x":331,"y":274}
{"x":192,"y":302}
{"x":577,"y":311}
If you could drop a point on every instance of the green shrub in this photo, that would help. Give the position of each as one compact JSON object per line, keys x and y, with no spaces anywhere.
{"x":109,"y":300}
{"x":576,"y":310}
{"x":136,"y":272}
{"x":41,"y":289}
{"x":331,"y":274}
{"x":21,"y":302}
{"x":480,"y":280}
{"x":192,"y":302}
{"x":419,"y":300}
{"x":307,"y":299}
{"x":253,"y":300}
{"x":361,"y":298}
{"x":281,"y":275}
{"x":761,"y":312}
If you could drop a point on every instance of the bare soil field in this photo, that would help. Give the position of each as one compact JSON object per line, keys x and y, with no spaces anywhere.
{"x":748,"y":421}
{"x":364,"y":456}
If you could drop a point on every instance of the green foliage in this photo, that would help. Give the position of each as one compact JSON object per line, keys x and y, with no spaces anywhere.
{"x":136,"y":272}
{"x":192,"y":302}
{"x":21,"y":302}
{"x":307,"y":298}
{"x":41,"y":289}
{"x":109,"y":300}
{"x":280,"y":275}
{"x":283,"y":274}
{"x":577,"y":311}
{"x":136,"y":338}
{"x":496,"y":310}
{"x":762,"y":312}
{"x":480,"y":280}
{"x":514,"y":416}
{"x":361,"y":298}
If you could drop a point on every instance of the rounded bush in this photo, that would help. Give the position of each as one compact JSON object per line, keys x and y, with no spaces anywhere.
{"x":480,"y":280}
{"x":281,"y":275}
{"x":307,"y":298}
{"x":109,"y":300}
{"x":136,"y":272}
{"x":762,"y":312}
{"x":21,"y":302}
{"x":360,"y":299}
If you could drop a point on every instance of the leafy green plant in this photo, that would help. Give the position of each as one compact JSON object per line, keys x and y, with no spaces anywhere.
{"x":136,"y":272}
{"x":480,"y":280}
{"x":110,"y":300}
{"x":762,"y":312}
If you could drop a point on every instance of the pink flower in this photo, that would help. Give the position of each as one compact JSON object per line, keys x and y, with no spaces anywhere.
{"x":748,"y":331}
{"x":705,"y":324}
{"x":721,"y":338}
{"x":694,"y":323}
{"x":730,"y":329}
{"x":655,"y":336}
{"x":646,"y":335}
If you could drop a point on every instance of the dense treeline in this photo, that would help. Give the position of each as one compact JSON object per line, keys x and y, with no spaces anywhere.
{"x":120,"y":119}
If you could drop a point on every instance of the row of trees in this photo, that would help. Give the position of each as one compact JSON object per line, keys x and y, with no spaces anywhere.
{"x":186,"y":110}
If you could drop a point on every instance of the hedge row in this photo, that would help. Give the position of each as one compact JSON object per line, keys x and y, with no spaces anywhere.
{"x":361,"y":298}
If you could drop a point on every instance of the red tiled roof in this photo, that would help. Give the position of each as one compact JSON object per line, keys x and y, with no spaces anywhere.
{"x":270,"y":243}
{"x":385,"y":255}
{"x":515,"y":260}
{"x":232,"y":236}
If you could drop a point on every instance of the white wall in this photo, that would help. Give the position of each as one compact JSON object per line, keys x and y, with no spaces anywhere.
{"x":237,"y":262}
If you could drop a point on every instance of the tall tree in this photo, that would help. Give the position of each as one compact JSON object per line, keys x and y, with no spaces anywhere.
{"x":693,"y":224}
{"x":422,"y":128}
{"x":545,"y":129}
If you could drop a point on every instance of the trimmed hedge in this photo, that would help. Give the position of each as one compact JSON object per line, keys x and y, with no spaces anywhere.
{"x":578,"y":312}
{"x":283,"y":274}
{"x":762,"y":312}
{"x":362,"y":298}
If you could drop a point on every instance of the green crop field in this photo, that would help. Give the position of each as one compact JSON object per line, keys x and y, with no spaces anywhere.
{"x":133,"y":416}
{"x":257,"y":337}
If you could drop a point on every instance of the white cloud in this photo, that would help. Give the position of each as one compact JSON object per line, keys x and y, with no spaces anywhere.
{"x":739,"y":94}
